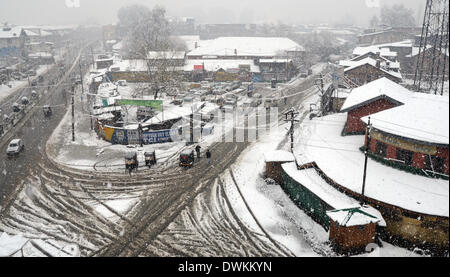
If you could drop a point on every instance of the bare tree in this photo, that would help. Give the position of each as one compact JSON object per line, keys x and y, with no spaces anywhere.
{"x":374,"y":21}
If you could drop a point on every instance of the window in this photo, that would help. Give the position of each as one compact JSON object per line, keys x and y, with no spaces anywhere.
{"x":380,"y":149}
{"x":405,"y":156}
{"x":434,"y":163}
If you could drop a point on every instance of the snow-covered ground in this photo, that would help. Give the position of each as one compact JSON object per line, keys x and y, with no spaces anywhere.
{"x":273,"y":209}
{"x":320,"y":141}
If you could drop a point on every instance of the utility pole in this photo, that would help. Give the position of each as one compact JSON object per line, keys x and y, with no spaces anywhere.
{"x":191,"y":127}
{"x":319,"y":85}
{"x":73,"y":113}
{"x":366,"y":150}
{"x":293,"y":114}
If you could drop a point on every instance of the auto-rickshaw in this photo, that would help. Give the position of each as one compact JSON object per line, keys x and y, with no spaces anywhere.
{"x":47,"y":111}
{"x":187,"y":158}
{"x":150,"y":158}
{"x":16,"y":108}
{"x":131,"y":161}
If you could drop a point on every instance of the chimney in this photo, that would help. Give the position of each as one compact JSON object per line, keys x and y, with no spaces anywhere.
{"x":196,"y":44}
{"x":235,"y":51}
{"x":378,"y":54}
{"x":378,"y":63}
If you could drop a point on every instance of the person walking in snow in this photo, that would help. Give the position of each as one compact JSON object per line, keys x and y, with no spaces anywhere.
{"x":208,"y":156}
{"x":197,"y":149}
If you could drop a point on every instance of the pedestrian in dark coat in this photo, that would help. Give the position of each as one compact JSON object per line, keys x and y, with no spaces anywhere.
{"x":197,"y":149}
{"x":208,"y":156}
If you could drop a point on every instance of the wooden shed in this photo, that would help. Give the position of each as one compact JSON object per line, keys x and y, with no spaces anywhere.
{"x":353,"y":229}
{"x":274,"y":160}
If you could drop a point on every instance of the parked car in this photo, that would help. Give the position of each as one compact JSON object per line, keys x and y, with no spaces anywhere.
{"x":16,"y":107}
{"x":25,"y":100}
{"x":122,"y":83}
{"x":15,"y":147}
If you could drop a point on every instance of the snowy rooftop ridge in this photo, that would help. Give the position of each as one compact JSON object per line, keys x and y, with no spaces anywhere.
{"x":374,"y":90}
{"x":214,"y":65}
{"x":384,"y":52}
{"x":340,"y":158}
{"x":357,"y":216}
{"x":424,"y":117}
{"x":373,"y":63}
{"x":278,"y":156}
{"x":10,"y":33}
{"x":250,"y":46}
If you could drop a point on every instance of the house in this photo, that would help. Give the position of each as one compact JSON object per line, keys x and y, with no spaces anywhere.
{"x":413,"y":136}
{"x":367,"y":70}
{"x":12,"y":40}
{"x":403,"y":125}
{"x":360,"y":53}
{"x":275,"y":53}
{"x":440,"y":58}
{"x":388,"y":35}
{"x":253,"y":48}
{"x":371,"y":98}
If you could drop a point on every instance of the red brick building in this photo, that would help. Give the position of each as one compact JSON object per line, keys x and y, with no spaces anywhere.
{"x":414,"y":135}
{"x":376,"y":96}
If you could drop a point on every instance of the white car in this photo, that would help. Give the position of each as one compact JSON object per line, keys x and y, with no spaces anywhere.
{"x":15,"y":147}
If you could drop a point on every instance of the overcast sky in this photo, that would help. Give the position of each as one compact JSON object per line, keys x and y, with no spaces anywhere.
{"x":204,"y":11}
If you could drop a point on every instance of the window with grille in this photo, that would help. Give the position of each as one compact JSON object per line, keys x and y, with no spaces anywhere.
{"x":434,"y":163}
{"x":405,"y":156}
{"x":380,"y":149}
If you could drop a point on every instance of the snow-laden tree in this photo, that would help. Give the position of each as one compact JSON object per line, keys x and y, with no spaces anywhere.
{"x":148,"y":31}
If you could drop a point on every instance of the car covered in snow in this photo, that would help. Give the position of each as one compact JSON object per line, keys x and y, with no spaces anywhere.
{"x":15,"y":147}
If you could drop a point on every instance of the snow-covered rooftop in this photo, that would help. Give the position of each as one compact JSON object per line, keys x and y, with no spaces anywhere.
{"x":190,"y":41}
{"x":424,"y":117}
{"x":357,"y":216}
{"x":214,"y":65}
{"x":10,"y":33}
{"x":374,"y":90}
{"x":275,"y":60}
{"x":384,"y":52}
{"x":245,"y":46}
{"x":373,"y":63}
{"x":278,"y":156}
{"x":340,"y":158}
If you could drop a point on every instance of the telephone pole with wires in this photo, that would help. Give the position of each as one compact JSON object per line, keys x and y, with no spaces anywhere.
{"x":319,"y":84}
{"x":366,"y":151}
{"x":293,"y":114}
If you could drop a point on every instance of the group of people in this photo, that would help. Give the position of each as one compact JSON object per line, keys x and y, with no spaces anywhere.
{"x":208,"y":153}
